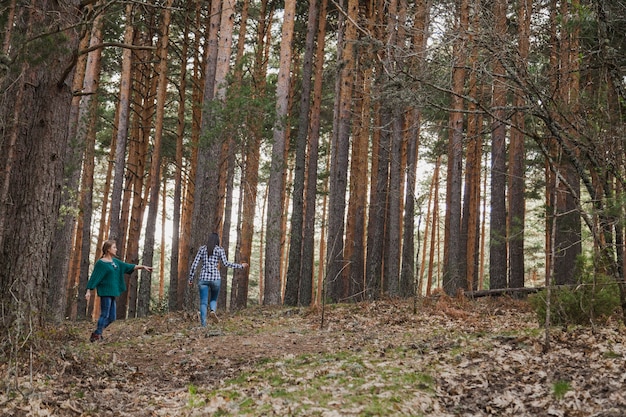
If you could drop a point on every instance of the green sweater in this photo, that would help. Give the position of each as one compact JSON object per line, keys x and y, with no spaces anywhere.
{"x":108,"y":277}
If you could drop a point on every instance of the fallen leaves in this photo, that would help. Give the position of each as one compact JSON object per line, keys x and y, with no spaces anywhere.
{"x":453,"y":358}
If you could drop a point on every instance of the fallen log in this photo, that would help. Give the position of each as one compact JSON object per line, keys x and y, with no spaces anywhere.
{"x":502,"y":291}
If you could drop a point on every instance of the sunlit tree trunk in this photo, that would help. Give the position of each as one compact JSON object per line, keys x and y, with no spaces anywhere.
{"x":228,"y":154}
{"x":357,"y":205}
{"x":86,"y":135}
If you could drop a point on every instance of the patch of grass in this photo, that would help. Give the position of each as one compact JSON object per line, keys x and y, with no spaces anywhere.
{"x":560,"y":388}
{"x":195,"y":399}
{"x":609,"y":354}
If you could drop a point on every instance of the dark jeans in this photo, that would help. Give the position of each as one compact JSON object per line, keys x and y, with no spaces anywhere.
{"x":107,"y":313}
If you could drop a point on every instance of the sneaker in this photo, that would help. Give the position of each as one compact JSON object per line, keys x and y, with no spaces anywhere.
{"x":95,"y":337}
{"x":214,"y":317}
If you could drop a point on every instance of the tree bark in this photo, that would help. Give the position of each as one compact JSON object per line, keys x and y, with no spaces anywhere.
{"x":335,"y":262}
{"x":143,"y":304}
{"x":517,"y":161}
{"x":452,"y":280}
{"x":272,"y":290}
{"x":294,"y":270}
{"x":40,"y":159}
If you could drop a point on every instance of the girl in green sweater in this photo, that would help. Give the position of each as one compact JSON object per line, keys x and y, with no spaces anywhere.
{"x":107,"y":278}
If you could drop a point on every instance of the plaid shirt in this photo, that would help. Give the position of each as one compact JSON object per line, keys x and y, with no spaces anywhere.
{"x":210,"y":264}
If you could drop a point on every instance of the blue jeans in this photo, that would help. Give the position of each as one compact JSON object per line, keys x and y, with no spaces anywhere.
{"x":203,"y":288}
{"x":107,"y":313}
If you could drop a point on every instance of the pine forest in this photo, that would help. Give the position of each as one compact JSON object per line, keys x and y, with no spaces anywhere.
{"x":422,"y":158}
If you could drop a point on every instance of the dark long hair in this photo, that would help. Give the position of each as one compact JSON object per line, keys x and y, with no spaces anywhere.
{"x":212,"y":242}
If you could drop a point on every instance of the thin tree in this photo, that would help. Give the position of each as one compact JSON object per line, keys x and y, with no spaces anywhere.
{"x":86,"y":135}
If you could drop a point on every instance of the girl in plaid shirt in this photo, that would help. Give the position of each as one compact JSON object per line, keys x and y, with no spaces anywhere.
{"x":210,"y":279}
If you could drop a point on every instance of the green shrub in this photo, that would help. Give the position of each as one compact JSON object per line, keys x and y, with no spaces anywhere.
{"x":595,"y":298}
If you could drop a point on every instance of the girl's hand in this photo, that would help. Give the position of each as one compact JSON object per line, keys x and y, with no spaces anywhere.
{"x":88,"y":295}
{"x":244,"y":264}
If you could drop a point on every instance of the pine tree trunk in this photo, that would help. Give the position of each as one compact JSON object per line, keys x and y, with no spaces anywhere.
{"x":176,"y":283}
{"x":308,"y":243}
{"x":294,"y":270}
{"x":123,"y":116}
{"x":272,"y":290}
{"x":143,"y":305}
{"x":64,"y":305}
{"x":250,"y":174}
{"x":452,"y":279}
{"x":517,"y":162}
{"x":335,"y":263}
{"x":86,"y":134}
{"x":37,"y":171}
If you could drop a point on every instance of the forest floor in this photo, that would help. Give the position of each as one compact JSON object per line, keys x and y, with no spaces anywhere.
{"x":450,"y":358}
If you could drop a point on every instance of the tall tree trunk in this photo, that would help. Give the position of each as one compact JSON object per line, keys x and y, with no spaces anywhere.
{"x":517,"y":162}
{"x":63,"y":305}
{"x":452,"y":279}
{"x":308,"y":242}
{"x":339,"y":161}
{"x":568,"y":224}
{"x":39,"y":158}
{"x":205,"y":200}
{"x":497,"y":233}
{"x":123,"y":110}
{"x":272,"y":290}
{"x":176,"y":283}
{"x":227,"y":156}
{"x":198,"y":85}
{"x":471,"y":194}
{"x":239,"y":292}
{"x":294,"y":270}
{"x":143,"y":305}
{"x":377,"y":209}
{"x":86,"y":135}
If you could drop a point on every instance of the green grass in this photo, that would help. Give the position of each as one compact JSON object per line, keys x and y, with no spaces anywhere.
{"x":560,"y":388}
